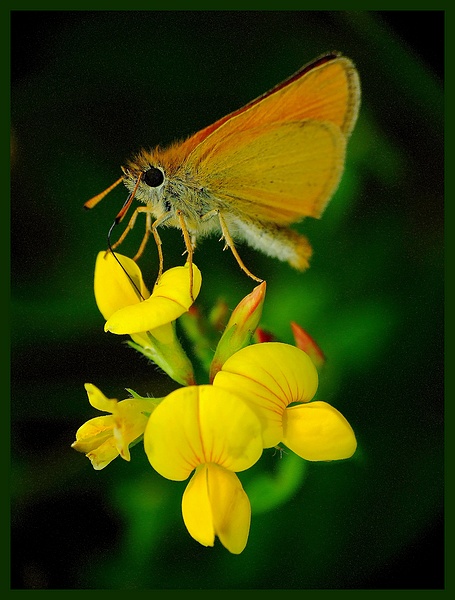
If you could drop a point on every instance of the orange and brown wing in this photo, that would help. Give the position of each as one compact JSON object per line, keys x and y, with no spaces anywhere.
{"x":327,"y":89}
{"x":281,"y":157}
{"x":277,"y":172}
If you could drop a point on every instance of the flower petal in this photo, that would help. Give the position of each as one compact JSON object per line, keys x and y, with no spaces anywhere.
{"x":94,"y":438}
{"x":269,"y":376}
{"x":93,"y":433}
{"x":130,"y":419}
{"x":196,"y":508}
{"x":201,"y":424}
{"x":231,"y":508}
{"x":267,"y":406}
{"x":174,"y":285}
{"x":98,"y":400}
{"x":215,"y":502}
{"x":169,"y":300}
{"x":113,"y":288}
{"x":103,"y":455}
{"x":145,"y":316}
{"x":318,"y":431}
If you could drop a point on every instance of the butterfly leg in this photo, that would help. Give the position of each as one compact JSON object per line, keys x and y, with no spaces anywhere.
{"x":153,"y":228}
{"x":148,"y":230}
{"x":130,"y":226}
{"x":189,"y":247}
{"x":230,"y":244}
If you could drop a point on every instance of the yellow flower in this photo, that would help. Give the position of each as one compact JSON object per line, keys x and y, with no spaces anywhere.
{"x":114,"y":288}
{"x":278,"y":381}
{"x":138,"y":313}
{"x":125,"y":302}
{"x":104,"y":438}
{"x":212,"y":432}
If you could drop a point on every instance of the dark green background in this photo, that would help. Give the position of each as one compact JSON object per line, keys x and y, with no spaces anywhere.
{"x":89,"y":89}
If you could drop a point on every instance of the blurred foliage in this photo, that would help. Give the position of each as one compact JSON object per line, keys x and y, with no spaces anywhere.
{"x":89,"y":88}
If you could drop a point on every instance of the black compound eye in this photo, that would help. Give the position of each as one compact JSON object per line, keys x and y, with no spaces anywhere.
{"x":154,"y":177}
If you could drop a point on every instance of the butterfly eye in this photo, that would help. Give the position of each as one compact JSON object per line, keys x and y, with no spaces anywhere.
{"x":154,"y":177}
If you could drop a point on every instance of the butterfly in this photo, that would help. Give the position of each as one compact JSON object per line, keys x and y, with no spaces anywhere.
{"x":253,"y":173}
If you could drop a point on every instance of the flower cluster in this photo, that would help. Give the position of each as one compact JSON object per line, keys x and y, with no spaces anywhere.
{"x":258,"y":394}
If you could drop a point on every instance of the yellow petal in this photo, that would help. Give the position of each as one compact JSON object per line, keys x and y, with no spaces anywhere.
{"x":214,"y":502}
{"x":98,"y":400}
{"x":103,"y":455}
{"x":113,"y":288}
{"x":269,"y":376}
{"x":201,"y":424}
{"x":317,"y":431}
{"x":169,"y":300}
{"x":130,"y":419}
{"x":141,"y":339}
{"x":165,"y":334}
{"x":231,"y":508}
{"x":93,"y":433}
{"x":174,"y":284}
{"x":145,"y":316}
{"x":196,"y":508}
{"x":94,"y":438}
{"x":267,"y":406}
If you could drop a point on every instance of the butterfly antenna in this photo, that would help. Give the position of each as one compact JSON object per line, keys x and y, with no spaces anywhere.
{"x":94,"y":201}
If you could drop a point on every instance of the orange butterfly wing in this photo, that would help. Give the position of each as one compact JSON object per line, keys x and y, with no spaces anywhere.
{"x":279,"y":172}
{"x":326,"y":89}
{"x":281,"y":157}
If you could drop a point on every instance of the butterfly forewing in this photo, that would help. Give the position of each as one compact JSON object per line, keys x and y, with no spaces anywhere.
{"x":279,"y":172}
{"x":329,"y":91}
{"x":280,"y":158}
